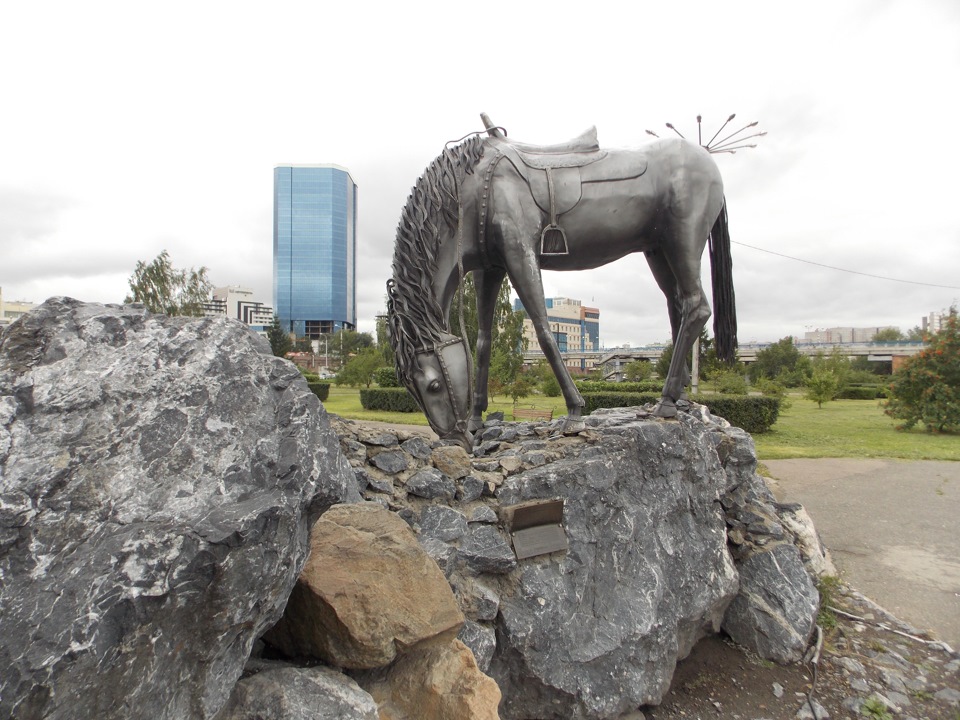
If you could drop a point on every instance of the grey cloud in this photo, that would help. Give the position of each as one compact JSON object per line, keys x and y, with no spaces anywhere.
{"x":27,"y":215}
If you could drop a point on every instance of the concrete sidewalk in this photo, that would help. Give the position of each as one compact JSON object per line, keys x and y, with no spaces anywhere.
{"x":892,"y":528}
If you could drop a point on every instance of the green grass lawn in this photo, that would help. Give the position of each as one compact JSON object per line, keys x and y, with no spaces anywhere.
{"x":842,"y":428}
{"x":345,"y":402}
{"x":849,"y":428}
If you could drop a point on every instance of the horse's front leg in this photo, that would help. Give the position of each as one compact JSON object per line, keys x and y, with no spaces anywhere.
{"x":487,"y":282}
{"x":529,"y":287}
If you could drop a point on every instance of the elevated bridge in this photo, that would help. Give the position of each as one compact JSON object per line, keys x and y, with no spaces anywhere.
{"x":612,"y":361}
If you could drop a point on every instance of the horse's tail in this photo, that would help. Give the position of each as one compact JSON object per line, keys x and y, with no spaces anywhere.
{"x":724,"y":303}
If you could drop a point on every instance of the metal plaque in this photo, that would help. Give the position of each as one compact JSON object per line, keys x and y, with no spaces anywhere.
{"x":536,"y":528}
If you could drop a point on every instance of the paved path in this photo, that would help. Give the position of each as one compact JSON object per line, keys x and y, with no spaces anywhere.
{"x":892,"y":528}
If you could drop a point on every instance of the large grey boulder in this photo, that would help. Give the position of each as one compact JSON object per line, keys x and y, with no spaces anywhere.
{"x":280,"y":692}
{"x":158,"y":478}
{"x":775,"y":612}
{"x":597,"y":632}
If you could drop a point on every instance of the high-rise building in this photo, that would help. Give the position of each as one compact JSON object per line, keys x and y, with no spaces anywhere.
{"x":314,"y":249}
{"x":575,"y":326}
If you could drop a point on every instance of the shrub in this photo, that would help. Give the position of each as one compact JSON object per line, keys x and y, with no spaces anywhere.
{"x":729,"y":382}
{"x":926,"y":389}
{"x":386,"y":377}
{"x":320,"y":389}
{"x":550,"y":387}
{"x":389,"y":399}
{"x":753,"y":414}
{"x":771,"y":388}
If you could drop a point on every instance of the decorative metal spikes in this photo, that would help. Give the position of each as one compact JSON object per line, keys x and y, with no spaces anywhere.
{"x":729,"y":144}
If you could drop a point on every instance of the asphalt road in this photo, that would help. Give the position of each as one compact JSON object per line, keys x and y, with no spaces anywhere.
{"x":892,"y":528}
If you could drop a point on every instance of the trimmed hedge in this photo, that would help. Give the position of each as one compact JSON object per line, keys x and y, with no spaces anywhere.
{"x":320,"y":389}
{"x":599,"y":386}
{"x":389,"y":399}
{"x":861,"y":392}
{"x":753,"y":414}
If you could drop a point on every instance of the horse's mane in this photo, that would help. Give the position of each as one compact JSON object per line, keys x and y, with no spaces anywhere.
{"x":415,"y":318}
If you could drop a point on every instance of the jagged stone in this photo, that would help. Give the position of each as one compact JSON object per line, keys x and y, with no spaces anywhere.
{"x":485,"y":551}
{"x":431,"y":484}
{"x":438,"y":682}
{"x":343,"y":612}
{"x":484,"y":514}
{"x":477,"y":599}
{"x":444,"y":554}
{"x":391,"y":461}
{"x":596,"y":632}
{"x":775,"y":610}
{"x":482,"y":641}
{"x":295,"y":693}
{"x":471,"y":488}
{"x":150,"y":467}
{"x":443,"y":523}
{"x":452,"y":461}
{"x":378,"y":438}
{"x":417,"y":447}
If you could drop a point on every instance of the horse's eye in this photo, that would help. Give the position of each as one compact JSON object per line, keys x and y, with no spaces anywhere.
{"x":434,"y":386}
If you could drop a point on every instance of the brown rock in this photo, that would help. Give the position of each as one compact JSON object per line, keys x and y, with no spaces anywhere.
{"x":437,"y":682}
{"x":453,"y":461}
{"x":367,"y":592}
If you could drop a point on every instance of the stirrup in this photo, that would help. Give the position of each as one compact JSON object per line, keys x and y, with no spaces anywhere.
{"x":553,"y":241}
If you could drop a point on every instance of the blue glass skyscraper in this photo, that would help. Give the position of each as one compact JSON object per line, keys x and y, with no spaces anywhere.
{"x":314,"y":249}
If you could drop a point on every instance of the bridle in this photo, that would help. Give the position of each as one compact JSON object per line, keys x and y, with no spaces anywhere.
{"x":459,"y":413}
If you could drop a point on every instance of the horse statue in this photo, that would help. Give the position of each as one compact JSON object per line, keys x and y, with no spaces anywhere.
{"x":496,"y":207}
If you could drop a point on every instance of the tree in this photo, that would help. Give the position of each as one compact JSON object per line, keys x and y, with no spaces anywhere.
{"x":663,"y":362}
{"x":822,"y":386}
{"x":506,"y":334}
{"x":303,"y":344}
{"x":775,"y":359}
{"x":345,"y":343}
{"x":915,"y":334}
{"x":638,"y":370}
{"x":279,"y":338}
{"x":164,"y":289}
{"x":927,"y":388}
{"x":707,"y":357}
{"x":359,"y":369}
{"x":890,"y":334}
{"x":837,"y":363}
{"x":383,"y":341}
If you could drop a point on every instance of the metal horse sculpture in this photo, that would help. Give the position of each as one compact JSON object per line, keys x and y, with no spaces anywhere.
{"x":495,"y":207}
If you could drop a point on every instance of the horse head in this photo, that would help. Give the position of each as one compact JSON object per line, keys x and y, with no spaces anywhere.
{"x":441,"y":384}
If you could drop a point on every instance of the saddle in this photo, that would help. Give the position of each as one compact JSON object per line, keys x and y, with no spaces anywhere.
{"x":556,"y":173}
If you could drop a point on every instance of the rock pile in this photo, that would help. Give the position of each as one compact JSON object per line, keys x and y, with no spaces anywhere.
{"x":595,"y":632}
{"x":162,"y":479}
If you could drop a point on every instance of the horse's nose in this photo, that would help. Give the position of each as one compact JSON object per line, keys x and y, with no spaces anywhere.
{"x":463,"y":438}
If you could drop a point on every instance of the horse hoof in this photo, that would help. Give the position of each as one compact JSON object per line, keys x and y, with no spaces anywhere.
{"x":572,"y":427}
{"x":665,"y":410}
{"x":474,"y":424}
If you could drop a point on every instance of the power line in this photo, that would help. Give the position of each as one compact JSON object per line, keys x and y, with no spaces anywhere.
{"x":853,"y":272}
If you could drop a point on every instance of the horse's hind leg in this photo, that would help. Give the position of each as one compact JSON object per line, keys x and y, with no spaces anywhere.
{"x":683,"y":259}
{"x":668,"y":286}
{"x":487,"y":283}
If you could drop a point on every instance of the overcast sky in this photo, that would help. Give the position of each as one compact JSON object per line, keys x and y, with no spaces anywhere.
{"x":129,"y":128}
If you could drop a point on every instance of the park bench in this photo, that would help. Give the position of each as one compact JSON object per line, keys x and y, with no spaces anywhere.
{"x":532,"y":413}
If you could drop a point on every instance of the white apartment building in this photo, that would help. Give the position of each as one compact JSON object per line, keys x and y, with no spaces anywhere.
{"x":239,"y":303}
{"x":10,"y":310}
